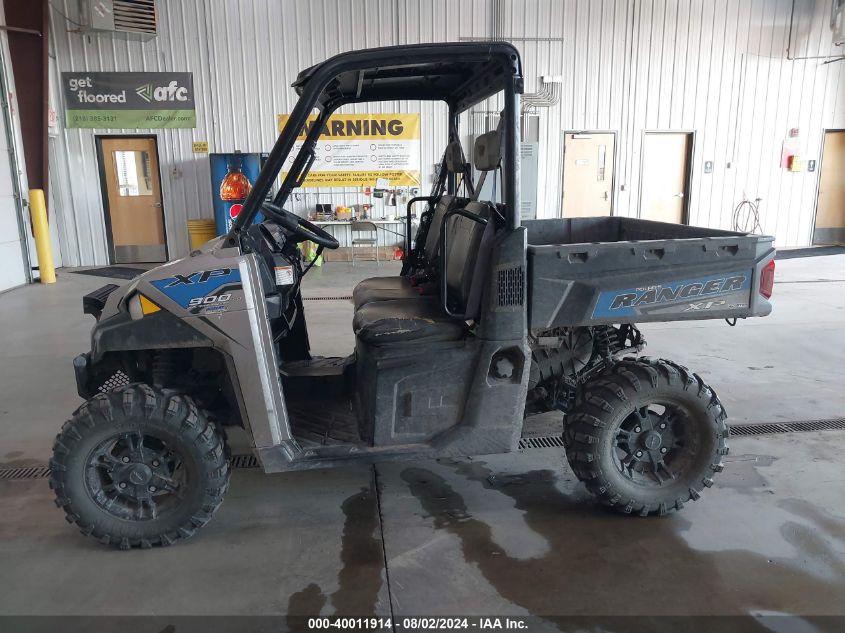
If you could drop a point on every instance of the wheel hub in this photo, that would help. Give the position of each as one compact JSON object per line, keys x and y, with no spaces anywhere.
{"x":135,"y":476}
{"x":652,"y":440}
{"x":140,"y":474}
{"x":648,"y":441}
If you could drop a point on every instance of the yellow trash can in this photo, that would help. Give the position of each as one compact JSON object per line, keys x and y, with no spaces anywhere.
{"x":200,"y":232}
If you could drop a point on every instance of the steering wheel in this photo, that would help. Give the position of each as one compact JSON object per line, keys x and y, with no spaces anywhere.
{"x":300,"y":227}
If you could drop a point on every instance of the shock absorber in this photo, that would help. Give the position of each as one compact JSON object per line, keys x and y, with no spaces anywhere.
{"x":163,"y":368}
{"x":603,"y":341}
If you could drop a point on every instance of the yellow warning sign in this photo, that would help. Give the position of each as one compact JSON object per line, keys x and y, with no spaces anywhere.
{"x":355,"y":150}
{"x":199,"y":147}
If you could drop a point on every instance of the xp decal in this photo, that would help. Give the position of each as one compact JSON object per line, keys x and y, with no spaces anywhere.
{"x":727,"y":291}
{"x":203,"y":290}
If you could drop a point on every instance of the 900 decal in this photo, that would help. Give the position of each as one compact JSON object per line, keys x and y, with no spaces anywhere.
{"x":209,"y":300}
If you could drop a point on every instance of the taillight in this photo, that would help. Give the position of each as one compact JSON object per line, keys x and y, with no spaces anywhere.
{"x":767,"y":279}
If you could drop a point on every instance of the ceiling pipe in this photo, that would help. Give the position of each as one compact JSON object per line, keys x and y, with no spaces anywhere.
{"x":832,"y":58}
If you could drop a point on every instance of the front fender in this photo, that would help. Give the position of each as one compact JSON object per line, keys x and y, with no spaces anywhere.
{"x":160,"y":330}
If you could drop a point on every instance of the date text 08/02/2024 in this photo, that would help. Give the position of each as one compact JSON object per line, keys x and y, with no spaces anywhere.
{"x":479,"y":623}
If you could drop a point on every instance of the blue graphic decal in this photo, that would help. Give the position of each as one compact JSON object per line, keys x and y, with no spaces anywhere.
{"x":183,"y":288}
{"x":633,"y":301}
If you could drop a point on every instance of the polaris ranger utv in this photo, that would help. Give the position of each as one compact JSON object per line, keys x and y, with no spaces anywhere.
{"x":491,"y":320}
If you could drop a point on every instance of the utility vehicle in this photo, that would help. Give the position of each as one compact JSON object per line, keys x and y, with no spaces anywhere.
{"x":490,"y":321}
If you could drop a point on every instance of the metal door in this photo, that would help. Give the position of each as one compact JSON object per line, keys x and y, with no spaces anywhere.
{"x":588,"y":159}
{"x":830,"y":206}
{"x":664,"y":184}
{"x":132,"y":193}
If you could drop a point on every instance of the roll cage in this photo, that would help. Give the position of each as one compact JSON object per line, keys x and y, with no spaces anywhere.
{"x":459,"y":74}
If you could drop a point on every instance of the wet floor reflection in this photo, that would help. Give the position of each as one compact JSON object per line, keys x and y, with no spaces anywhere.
{"x":602,"y":563}
{"x":360,"y":577}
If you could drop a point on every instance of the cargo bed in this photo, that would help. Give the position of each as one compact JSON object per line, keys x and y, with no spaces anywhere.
{"x":590,"y":271}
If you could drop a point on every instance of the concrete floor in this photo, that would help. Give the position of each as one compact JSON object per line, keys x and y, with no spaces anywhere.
{"x":510,"y":534}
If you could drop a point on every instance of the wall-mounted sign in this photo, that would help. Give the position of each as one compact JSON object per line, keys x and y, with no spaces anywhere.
{"x":199,"y":147}
{"x":129,"y":100}
{"x":528,"y":178}
{"x":356,"y":150}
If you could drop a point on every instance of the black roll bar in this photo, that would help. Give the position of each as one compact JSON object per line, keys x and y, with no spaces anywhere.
{"x":314,"y":82}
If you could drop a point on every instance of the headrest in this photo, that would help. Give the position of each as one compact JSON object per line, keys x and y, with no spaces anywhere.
{"x":488,"y":151}
{"x":455,"y":158}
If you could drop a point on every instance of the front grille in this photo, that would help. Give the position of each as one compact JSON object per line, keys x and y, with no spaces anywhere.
{"x":116,"y":381}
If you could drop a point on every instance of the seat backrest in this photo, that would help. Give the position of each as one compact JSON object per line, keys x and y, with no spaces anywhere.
{"x":463,"y":247}
{"x":432,"y":239}
{"x":469,"y":243}
{"x":455,"y":164}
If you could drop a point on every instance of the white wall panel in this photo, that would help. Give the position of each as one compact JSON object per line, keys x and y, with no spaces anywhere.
{"x":715,"y":67}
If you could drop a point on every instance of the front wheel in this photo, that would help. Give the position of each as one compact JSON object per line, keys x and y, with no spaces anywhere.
{"x":647,"y":436}
{"x":139,"y":467}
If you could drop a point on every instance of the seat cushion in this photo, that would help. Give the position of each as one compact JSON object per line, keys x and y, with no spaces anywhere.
{"x":383,"y":289}
{"x":418,"y":320}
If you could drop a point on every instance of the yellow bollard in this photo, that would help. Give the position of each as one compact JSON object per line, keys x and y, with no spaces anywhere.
{"x":38,"y":212}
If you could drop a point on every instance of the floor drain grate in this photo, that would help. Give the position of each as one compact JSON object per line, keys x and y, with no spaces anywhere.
{"x":244,"y":461}
{"x":799,"y":426}
{"x":817,"y":425}
{"x":757,"y":429}
{"x":338,"y":298}
{"x":549,"y":441}
{"x":25,"y":472}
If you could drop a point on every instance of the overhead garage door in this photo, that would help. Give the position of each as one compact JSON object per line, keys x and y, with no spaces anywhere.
{"x":12,"y":271}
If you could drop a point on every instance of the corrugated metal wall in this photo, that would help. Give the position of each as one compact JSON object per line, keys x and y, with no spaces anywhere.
{"x":716,"y":67}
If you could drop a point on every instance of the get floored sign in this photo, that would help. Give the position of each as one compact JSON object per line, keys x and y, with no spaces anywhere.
{"x":129,"y":100}
{"x":359,"y":150}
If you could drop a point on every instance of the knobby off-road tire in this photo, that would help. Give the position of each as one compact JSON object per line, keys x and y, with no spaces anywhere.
{"x":139,"y":467}
{"x":616,"y":436}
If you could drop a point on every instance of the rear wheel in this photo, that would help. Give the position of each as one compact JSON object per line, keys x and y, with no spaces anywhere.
{"x":647,"y":436}
{"x":139,"y":467}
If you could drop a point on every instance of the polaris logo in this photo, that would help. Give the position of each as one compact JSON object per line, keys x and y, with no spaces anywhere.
{"x":667,"y":294}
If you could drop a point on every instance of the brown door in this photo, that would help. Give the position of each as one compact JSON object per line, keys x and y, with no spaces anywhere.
{"x":134,"y":214}
{"x":587,"y":174}
{"x":830,"y":209}
{"x":665,"y":176}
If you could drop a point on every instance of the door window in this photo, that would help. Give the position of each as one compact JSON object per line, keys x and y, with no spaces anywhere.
{"x":134,"y":176}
